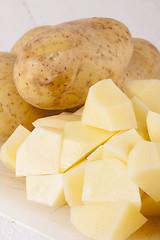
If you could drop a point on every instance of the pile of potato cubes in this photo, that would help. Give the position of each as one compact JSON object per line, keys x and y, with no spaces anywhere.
{"x":103,"y":160}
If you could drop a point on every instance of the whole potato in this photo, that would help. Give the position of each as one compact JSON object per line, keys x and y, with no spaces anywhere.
{"x":57,"y":68}
{"x":26,"y":38}
{"x":13,"y":109}
{"x":144,"y":64}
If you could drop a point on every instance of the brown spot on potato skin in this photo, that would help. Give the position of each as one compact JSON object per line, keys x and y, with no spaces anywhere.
{"x":65,"y":60}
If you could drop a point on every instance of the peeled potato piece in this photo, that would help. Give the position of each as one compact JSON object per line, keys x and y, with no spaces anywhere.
{"x":96,"y":155}
{"x":107,"y":107}
{"x":40,"y":153}
{"x":56,"y":121}
{"x":142,"y":130}
{"x":107,"y":181}
{"x":144,"y":167}
{"x":9,"y":148}
{"x":79,"y":141}
{"x":153,"y":125}
{"x":119,"y":146}
{"x":146,"y":90}
{"x":107,"y":221}
{"x":140,"y":109}
{"x":47,"y":190}
{"x":73,"y":184}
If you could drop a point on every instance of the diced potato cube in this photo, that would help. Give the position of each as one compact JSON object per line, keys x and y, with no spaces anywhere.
{"x":120,"y":146}
{"x":79,"y":140}
{"x":96,"y":155}
{"x":108,"y":181}
{"x":107,"y":221}
{"x":73,"y":184}
{"x":9,"y":148}
{"x":140,"y":109}
{"x":150,"y":208}
{"x":56,"y":121}
{"x":46,"y":189}
{"x":107,"y":107}
{"x":144,"y":167}
{"x":153,"y":124}
{"x":146,"y":90}
{"x":40,"y":153}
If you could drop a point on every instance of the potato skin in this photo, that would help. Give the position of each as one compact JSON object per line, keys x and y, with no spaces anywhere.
{"x":13,"y":109}
{"x":26,"y":38}
{"x":144,"y":64}
{"x":56,"y":69}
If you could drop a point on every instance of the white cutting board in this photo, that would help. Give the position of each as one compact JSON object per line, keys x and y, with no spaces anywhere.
{"x":51,"y":222}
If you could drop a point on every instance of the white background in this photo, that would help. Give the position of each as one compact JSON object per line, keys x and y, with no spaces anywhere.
{"x":18,"y":16}
{"x":142,"y":17}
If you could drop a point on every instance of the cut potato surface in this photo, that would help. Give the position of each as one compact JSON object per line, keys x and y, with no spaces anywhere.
{"x":39,"y":153}
{"x":120,"y":146}
{"x":153,"y":124}
{"x":107,"y":221}
{"x":142,"y":130}
{"x":108,"y":181}
{"x":73,"y":184}
{"x":140,"y":109}
{"x":9,"y":148}
{"x":79,"y":141}
{"x":144,"y":167}
{"x":96,"y":155}
{"x":47,"y":190}
{"x":107,"y":107}
{"x":57,"y":121}
{"x":150,"y":208}
{"x":146,"y":90}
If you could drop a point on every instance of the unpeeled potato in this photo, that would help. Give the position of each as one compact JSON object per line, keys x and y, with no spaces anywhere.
{"x":57,"y":68}
{"x":13,"y":109}
{"x":144,"y":64}
{"x":26,"y":38}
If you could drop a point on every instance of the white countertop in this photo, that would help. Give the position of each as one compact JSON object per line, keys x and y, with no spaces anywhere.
{"x":142,"y":17}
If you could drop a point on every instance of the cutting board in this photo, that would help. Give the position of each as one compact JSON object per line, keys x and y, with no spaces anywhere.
{"x":54,"y":223}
